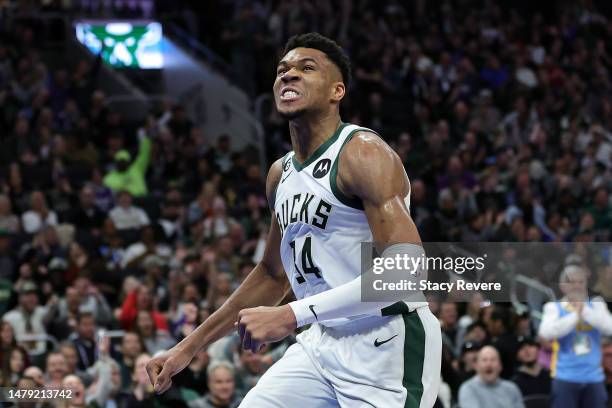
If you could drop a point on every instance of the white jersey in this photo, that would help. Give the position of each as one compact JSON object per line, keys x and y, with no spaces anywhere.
{"x":321,"y":229}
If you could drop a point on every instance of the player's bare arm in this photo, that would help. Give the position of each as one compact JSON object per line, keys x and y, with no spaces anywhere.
{"x":266,"y":285}
{"x":370,"y":170}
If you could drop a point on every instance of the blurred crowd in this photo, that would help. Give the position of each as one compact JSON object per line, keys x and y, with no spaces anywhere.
{"x":117,"y":239}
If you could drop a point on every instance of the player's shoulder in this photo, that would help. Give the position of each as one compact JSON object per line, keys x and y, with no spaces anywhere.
{"x":365,"y":162}
{"x":366,"y":146}
{"x":367,"y":155}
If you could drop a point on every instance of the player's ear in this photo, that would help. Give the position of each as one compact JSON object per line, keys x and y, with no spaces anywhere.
{"x":338,"y":91}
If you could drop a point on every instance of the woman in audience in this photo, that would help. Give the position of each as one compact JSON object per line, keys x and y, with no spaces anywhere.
{"x":13,"y":364}
{"x":142,"y":395}
{"x":154,"y":339}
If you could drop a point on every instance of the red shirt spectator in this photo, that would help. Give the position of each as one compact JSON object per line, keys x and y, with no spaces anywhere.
{"x":140,"y":299}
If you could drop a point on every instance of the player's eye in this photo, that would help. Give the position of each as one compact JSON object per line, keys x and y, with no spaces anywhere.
{"x":281,"y":71}
{"x":309,"y":68}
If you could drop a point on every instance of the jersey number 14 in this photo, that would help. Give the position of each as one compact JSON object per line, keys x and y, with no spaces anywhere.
{"x":307,"y":264}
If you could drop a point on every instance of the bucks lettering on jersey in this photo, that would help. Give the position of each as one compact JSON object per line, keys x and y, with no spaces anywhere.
{"x":321,"y":229}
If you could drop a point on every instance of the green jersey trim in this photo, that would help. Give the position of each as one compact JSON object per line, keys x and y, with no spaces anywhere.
{"x":320,"y":150}
{"x":352,"y":202}
{"x":414,"y":358}
{"x":273,"y":198}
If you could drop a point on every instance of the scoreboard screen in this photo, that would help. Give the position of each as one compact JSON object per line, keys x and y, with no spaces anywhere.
{"x":124,"y":44}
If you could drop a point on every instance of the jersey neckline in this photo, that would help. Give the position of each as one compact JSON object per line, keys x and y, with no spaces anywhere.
{"x":320,"y":150}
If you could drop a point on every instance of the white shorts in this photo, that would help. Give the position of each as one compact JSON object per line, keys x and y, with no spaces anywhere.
{"x":392,"y":362}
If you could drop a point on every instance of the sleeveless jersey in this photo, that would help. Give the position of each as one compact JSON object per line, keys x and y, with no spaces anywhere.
{"x":577,"y":355}
{"x":321,"y":228}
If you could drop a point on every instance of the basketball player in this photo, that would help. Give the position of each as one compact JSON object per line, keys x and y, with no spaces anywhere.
{"x":341,"y":185}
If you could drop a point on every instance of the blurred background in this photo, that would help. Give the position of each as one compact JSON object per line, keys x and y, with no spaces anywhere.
{"x":135,"y":136}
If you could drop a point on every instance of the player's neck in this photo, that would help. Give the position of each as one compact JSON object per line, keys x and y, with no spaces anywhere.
{"x":308,"y":133}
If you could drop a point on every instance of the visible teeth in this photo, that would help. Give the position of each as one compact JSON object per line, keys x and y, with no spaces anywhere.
{"x":290,"y":94}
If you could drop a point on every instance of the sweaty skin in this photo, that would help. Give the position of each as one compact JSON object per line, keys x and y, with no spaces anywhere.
{"x":368,"y":169}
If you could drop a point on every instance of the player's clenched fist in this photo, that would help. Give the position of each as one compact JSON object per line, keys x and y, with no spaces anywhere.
{"x":163,"y":367}
{"x":260,"y":325}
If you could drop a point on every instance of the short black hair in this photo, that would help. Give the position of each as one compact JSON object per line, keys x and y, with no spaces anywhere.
{"x":329,"y":47}
{"x":84,"y":315}
{"x":504,"y":315}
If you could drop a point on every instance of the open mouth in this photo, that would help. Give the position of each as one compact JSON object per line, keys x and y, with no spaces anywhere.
{"x":289,"y":94}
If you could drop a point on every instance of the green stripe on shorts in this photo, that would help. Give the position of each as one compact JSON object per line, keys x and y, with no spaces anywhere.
{"x":414,"y":356}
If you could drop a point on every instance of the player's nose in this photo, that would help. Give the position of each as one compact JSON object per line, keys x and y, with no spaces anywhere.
{"x":291,"y":75}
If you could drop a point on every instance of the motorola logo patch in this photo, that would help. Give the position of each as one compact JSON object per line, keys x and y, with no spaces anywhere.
{"x":321,"y":168}
{"x":286,"y":164}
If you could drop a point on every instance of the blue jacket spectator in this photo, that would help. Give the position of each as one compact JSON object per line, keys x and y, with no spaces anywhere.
{"x":576,"y":325}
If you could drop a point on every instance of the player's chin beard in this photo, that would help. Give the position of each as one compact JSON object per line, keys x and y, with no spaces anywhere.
{"x":292,"y":114}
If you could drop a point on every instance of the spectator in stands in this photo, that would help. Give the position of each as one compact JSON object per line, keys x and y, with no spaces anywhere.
{"x":61,"y":317}
{"x":528,"y":208}
{"x":87,"y":217}
{"x":8,"y":220}
{"x":194,"y":377}
{"x":468,"y":360}
{"x":92,"y":300}
{"x":220,"y":155}
{"x":125,"y":215}
{"x":103,"y":195}
{"x":111,"y":248}
{"x":471,"y":316}
{"x":27,"y":317}
{"x":603,"y":286}
{"x":576,"y":324}
{"x":84,"y":339}
{"x":7,"y":338}
{"x":35,"y":374}
{"x":154,"y":339}
{"x":140,"y":299}
{"x":501,"y":328}
{"x":172,"y":216}
{"x":13,"y":365}
{"x":530,"y":377}
{"x":188,"y":321}
{"x":148,"y":245}
{"x":106,"y":377}
{"x":142,"y":389}
{"x":131,"y":347}
{"x":250,"y":367}
{"x":448,"y":322}
{"x":107,"y":383}
{"x":79,"y":262}
{"x":218,"y":224}
{"x":601,"y":209}
{"x":39,"y":214}
{"x":222,"y":388}
{"x":71,"y":355}
{"x":130,"y":176}
{"x":56,"y":370}
{"x":79,"y":395}
{"x":47,"y":245}
{"x":486,"y":389}
{"x":226,"y":259}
